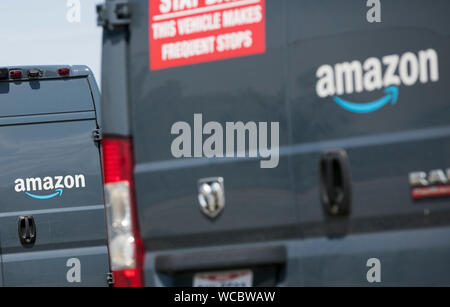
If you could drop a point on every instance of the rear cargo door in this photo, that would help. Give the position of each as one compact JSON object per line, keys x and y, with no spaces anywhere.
{"x":52,"y":222}
{"x":379,"y":91}
{"x":194,"y":114}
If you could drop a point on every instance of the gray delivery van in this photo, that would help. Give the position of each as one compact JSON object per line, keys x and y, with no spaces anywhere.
{"x":52,"y":215}
{"x":277,"y":142}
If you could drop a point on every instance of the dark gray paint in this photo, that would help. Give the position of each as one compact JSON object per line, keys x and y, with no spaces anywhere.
{"x":114,"y":68}
{"x":380,"y":170}
{"x":53,"y":139}
{"x":238,"y":90}
{"x":282,"y":204}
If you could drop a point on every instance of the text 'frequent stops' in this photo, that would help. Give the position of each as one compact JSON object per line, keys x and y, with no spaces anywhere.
{"x":184,"y":32}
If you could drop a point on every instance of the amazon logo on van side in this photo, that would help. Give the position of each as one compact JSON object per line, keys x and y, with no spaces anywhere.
{"x":389,"y":73}
{"x":48,"y":187}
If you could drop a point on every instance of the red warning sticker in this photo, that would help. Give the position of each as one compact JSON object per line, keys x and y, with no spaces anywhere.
{"x":184,"y":32}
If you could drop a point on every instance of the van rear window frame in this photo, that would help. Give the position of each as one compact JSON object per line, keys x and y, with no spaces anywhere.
{"x":45,"y":96}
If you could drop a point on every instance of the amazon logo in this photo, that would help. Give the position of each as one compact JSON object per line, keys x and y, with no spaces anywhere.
{"x":48,"y":187}
{"x":386,"y":74}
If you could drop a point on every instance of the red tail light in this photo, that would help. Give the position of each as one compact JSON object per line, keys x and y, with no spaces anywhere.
{"x":125,"y":243}
{"x":15,"y":74}
{"x":117,"y":159}
{"x":63,"y":71}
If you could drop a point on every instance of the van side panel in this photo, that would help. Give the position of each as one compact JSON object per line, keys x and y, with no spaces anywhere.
{"x":384,"y":146}
{"x":403,"y":128}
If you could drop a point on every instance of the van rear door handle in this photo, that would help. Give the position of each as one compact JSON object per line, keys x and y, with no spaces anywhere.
{"x":335,"y":182}
{"x":27,"y":230}
{"x":222,"y":259}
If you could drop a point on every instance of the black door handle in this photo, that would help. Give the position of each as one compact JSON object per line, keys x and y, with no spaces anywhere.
{"x":335,"y":182}
{"x":27,"y":230}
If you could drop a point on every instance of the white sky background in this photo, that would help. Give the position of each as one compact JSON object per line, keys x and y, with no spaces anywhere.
{"x":37,"y":32}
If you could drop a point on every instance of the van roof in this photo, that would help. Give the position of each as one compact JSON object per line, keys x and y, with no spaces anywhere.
{"x":11,"y":84}
{"x":42,"y":72}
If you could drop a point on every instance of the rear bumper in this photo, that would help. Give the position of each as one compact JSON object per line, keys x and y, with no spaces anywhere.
{"x":407,"y":258}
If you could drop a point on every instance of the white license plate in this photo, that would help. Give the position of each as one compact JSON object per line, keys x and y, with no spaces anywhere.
{"x":242,"y":278}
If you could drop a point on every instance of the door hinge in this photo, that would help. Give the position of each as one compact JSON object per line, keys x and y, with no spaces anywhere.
{"x":110,"y":279}
{"x":97,"y":135}
{"x":113,"y":14}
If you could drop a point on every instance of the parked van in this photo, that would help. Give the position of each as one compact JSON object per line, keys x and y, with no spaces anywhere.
{"x":52,"y":214}
{"x":277,"y":142}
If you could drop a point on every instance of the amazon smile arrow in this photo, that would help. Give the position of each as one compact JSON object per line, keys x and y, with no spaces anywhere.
{"x":391,"y":96}
{"x":58,"y":192}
